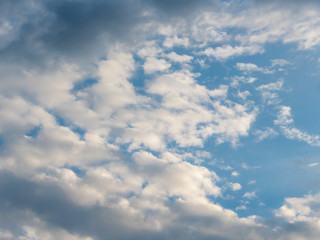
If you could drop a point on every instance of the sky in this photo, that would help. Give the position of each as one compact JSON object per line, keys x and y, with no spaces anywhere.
{"x":158,"y":119}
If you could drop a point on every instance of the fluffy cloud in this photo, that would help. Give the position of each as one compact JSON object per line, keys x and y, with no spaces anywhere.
{"x":179,"y":58}
{"x":301,"y":213}
{"x":153,"y":65}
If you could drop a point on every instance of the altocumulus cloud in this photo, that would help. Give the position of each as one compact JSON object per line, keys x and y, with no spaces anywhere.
{"x":105,"y":118}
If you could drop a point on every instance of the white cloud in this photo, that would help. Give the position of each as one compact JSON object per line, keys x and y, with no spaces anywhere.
{"x":153,"y":65}
{"x":241,"y":207}
{"x":179,"y":58}
{"x":235,"y":174}
{"x":171,"y":42}
{"x":235,"y":186}
{"x":302,"y":211}
{"x":123,"y":159}
{"x":251,"y":67}
{"x":284,"y":116}
{"x":252,"y":182}
{"x":313,"y":164}
{"x":248,"y":67}
{"x":285,"y":121}
{"x":244,"y":166}
{"x":276,"y":86}
{"x":228,"y":168}
{"x":265,"y":134}
{"x":268,"y":92}
{"x":250,"y":195}
{"x":296,"y":134}
{"x":227,"y":51}
{"x":272,"y":23}
{"x":279,"y":62}
{"x":150,"y":49}
{"x":236,"y":80}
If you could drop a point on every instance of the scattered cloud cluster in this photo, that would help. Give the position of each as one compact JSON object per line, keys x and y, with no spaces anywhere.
{"x":104,"y":118}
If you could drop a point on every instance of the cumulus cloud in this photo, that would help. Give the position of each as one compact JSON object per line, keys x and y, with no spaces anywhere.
{"x":176,"y":41}
{"x":301,"y":212}
{"x":153,"y":65}
{"x":235,"y":186}
{"x":179,"y":58}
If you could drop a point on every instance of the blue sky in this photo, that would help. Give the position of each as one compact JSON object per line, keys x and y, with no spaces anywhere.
{"x":159,"y":120}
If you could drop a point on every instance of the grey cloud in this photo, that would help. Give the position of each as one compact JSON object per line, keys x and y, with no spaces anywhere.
{"x":182,"y":8}
{"x":78,"y":30}
{"x":68,"y":28}
{"x":50,"y":204}
{"x":77,"y":23}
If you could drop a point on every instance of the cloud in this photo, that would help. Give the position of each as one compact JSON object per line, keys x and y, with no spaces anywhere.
{"x":92,"y":146}
{"x":63,"y":28}
{"x":235,"y":174}
{"x":175,"y":41}
{"x":265,"y":134}
{"x":76,"y":154}
{"x":313,"y":164}
{"x":301,"y":213}
{"x":273,"y":22}
{"x":250,"y":67}
{"x":268,"y":92}
{"x":179,"y":58}
{"x":236,"y":80}
{"x":235,"y":186}
{"x":284,"y":116}
{"x":279,"y":62}
{"x":153,"y":65}
{"x":227,"y":51}
{"x":250,"y":195}
{"x":64,"y":217}
{"x":285,"y":121}
{"x":252,"y":182}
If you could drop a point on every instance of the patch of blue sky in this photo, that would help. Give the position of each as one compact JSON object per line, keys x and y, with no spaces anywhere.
{"x":138,"y":79}
{"x":304,"y":95}
{"x":80,"y":172}
{"x":73,"y":127}
{"x":34,"y":132}
{"x":83,"y":84}
{"x":173,"y":198}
